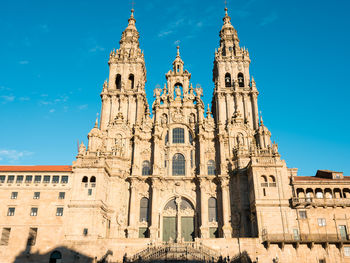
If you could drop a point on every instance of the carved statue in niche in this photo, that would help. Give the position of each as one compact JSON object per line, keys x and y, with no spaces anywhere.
{"x":164,"y":119}
{"x":192,"y":118}
{"x":119,"y":146}
{"x":240,"y":139}
{"x":178,"y":92}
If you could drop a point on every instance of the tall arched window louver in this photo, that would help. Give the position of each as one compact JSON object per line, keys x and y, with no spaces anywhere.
{"x":178,"y":135}
{"x":211,"y":167}
{"x":146,"y":168}
{"x":118,"y":82}
{"x":240,"y":79}
{"x":212,"y":209}
{"x":178,"y":164}
{"x":228,"y":82}
{"x":144,"y":209}
{"x":85,"y":179}
{"x":93,"y":179}
{"x":131,"y":81}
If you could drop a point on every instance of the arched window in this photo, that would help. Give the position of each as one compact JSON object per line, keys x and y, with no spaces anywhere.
{"x":118,"y":81}
{"x":228,"y":82}
{"x":211,"y":167}
{"x":263,"y":181}
{"x":146,"y":169}
{"x":55,"y":257}
{"x":85,"y":179}
{"x":178,"y":164}
{"x":272,"y":181}
{"x":319,"y":193}
{"x":178,"y":135}
{"x":93,"y":179}
{"x":144,"y":209}
{"x":240,"y":79}
{"x":131,"y":81}
{"x":212,"y":209}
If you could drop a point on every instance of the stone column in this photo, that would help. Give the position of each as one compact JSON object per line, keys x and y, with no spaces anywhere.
{"x":202,"y":154}
{"x":133,"y":210}
{"x":178,"y":219}
{"x":204,"y":209}
{"x":156,"y":156}
{"x":115,"y":108}
{"x":255,"y":108}
{"x":136,"y":162}
{"x":105,"y":111}
{"x":226,"y":207}
{"x":154,"y":228}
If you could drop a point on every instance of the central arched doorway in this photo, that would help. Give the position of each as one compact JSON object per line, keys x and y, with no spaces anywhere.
{"x":178,"y":220}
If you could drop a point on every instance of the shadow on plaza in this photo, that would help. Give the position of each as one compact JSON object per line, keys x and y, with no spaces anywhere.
{"x":63,"y":254}
{"x":58,"y":255}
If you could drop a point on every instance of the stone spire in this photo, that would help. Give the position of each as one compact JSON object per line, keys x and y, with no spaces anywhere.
{"x":178,"y":64}
{"x":130,"y":36}
{"x":228,"y":36}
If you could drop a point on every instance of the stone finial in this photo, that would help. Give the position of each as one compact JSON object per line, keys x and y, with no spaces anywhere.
{"x":96,"y":122}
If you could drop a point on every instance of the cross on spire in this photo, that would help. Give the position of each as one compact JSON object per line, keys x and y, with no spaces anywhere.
{"x":132,"y":4}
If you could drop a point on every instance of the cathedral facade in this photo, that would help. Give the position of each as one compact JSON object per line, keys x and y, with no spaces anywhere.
{"x":205,"y":180}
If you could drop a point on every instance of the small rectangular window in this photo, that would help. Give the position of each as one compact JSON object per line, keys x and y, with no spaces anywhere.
{"x":64,"y":180}
{"x":34,"y":211}
{"x":29,"y":178}
{"x":89,"y":191}
{"x":11,"y":211}
{"x":55,"y":179}
{"x":37,"y":179}
{"x":321,"y":221}
{"x":2,"y":179}
{"x":321,"y":261}
{"x":14,"y":195}
{"x":59,"y":211}
{"x":61,"y":195}
{"x":47,"y":179}
{"x":32,"y":236}
{"x":19,"y":179}
{"x":5,"y":236}
{"x":36,"y":195}
{"x":347,"y":251}
{"x":10,"y":179}
{"x":302,"y":215}
{"x":85,"y":232}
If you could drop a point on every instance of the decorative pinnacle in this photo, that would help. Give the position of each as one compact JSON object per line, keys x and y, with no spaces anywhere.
{"x":178,"y":51}
{"x":96,"y":122}
{"x":132,"y":12}
{"x":261,"y":119}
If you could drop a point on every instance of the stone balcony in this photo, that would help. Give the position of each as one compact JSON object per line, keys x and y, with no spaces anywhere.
{"x":320,"y":202}
{"x":309,"y":239}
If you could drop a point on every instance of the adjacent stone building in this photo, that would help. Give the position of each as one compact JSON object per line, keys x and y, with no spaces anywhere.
{"x":190,"y":182}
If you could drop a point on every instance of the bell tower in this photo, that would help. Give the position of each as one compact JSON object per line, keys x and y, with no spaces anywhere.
{"x":124,"y":94}
{"x":234,"y":92}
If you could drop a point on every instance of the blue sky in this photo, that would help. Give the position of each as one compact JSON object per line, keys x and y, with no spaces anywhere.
{"x":54,"y":61}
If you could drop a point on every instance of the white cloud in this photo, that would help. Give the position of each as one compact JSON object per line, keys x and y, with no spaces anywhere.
{"x":6,"y":99}
{"x":165,"y":33}
{"x":13,"y":155}
{"x":177,"y":42}
{"x":52,"y":110}
{"x":24,"y":98}
{"x":23,"y":62}
{"x":83,"y":107}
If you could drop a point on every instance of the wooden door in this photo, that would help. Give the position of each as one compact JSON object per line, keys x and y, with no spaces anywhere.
{"x":169,"y":228}
{"x":187,"y":228}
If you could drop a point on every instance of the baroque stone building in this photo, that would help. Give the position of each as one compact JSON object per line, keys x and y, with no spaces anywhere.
{"x":208,"y":182}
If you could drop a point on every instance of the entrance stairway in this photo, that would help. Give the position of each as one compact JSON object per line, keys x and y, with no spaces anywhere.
{"x":187,"y":251}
